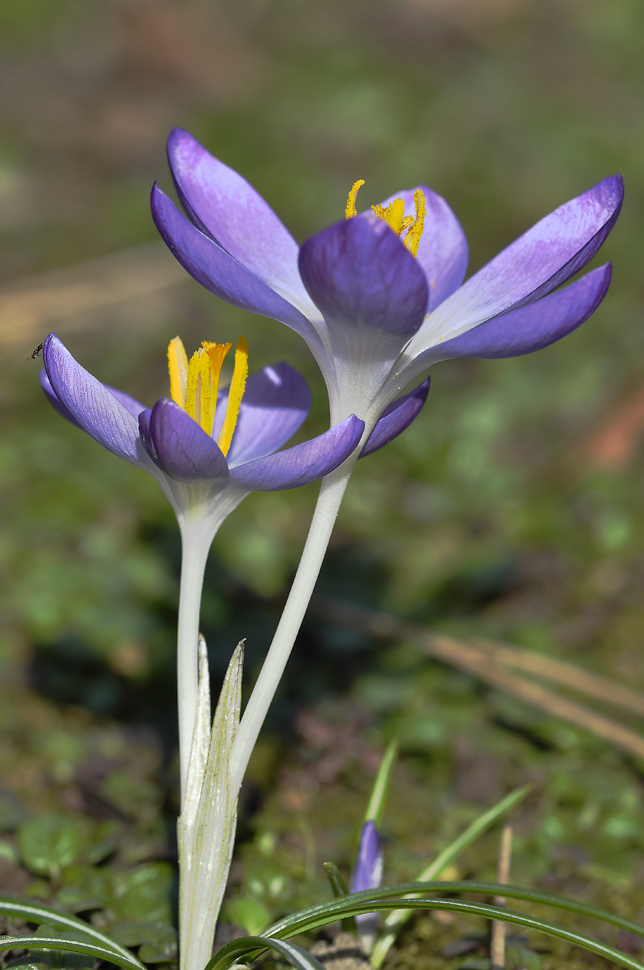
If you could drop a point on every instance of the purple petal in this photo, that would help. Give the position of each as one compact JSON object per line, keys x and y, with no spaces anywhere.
{"x":396,"y":417}
{"x":368,"y":870}
{"x":276,"y":402}
{"x":532,"y":327}
{"x":533,"y":266}
{"x":361,"y":277}
{"x":129,"y":403}
{"x":54,"y":400}
{"x":92,"y":406}
{"x":224,"y":206}
{"x":303,"y":463}
{"x":215,"y":269}
{"x":179,"y":446}
{"x":443,"y":247}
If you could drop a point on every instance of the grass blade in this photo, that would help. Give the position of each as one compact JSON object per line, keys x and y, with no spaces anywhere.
{"x":37,"y":913}
{"x":346,"y":908}
{"x":339,"y":889}
{"x":52,"y":943}
{"x":396,"y":920}
{"x":251,"y":946}
{"x":376,"y":805}
{"x":323,"y":913}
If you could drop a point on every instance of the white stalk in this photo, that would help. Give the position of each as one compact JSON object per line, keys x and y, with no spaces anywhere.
{"x":195,"y":541}
{"x":332,"y":491}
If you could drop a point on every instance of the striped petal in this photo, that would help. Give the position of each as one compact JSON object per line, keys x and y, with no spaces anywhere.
{"x":303,"y":463}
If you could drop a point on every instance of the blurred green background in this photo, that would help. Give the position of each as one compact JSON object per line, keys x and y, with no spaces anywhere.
{"x":512,"y":508}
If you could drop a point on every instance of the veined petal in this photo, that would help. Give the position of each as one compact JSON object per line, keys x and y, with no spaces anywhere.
{"x":533,"y":266}
{"x":226,"y":207}
{"x":275,"y":403}
{"x":129,"y":403}
{"x":92,"y":406}
{"x":303,"y":463}
{"x":54,"y":400}
{"x":531,"y":327}
{"x":369,"y":865}
{"x":215,"y":269}
{"x":179,"y":446}
{"x":361,"y":277}
{"x":396,"y":417}
{"x":442,"y":251}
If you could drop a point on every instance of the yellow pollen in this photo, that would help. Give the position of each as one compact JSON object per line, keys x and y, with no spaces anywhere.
{"x":350,"y":210}
{"x":412,"y":239}
{"x":394,"y":216}
{"x":194,"y":385}
{"x":235,"y":394}
{"x":216,"y":354}
{"x":178,"y":367}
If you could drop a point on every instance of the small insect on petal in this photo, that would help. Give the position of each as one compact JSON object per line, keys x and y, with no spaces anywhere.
{"x":37,"y":352}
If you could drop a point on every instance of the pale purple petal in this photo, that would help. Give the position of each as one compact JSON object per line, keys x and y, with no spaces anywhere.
{"x":275,"y":403}
{"x":532,"y":327}
{"x":369,"y":865}
{"x":530,"y":268}
{"x":442,"y":251}
{"x":396,"y":417}
{"x":129,"y":403}
{"x":95,"y":409}
{"x":218,"y":272}
{"x":225,"y":206}
{"x":361,"y":277}
{"x":54,"y":400}
{"x":303,"y":463}
{"x":179,"y":446}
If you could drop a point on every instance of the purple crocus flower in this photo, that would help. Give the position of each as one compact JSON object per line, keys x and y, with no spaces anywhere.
{"x":375,"y":317}
{"x":193,"y":471}
{"x":367,"y":874}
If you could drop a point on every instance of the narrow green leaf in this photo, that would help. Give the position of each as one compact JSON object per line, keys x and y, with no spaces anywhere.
{"x":376,"y":805}
{"x":339,"y":889}
{"x":72,"y":946}
{"x":396,"y":920}
{"x":251,"y":946}
{"x":323,"y":913}
{"x":346,"y":907}
{"x":37,"y":913}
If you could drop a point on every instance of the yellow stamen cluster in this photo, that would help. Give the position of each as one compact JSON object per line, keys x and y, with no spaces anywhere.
{"x":394,"y":216}
{"x":194,"y":384}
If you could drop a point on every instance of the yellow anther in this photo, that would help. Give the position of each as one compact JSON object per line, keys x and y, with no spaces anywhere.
{"x":178,"y":367}
{"x":350,"y":210}
{"x":412,"y":239}
{"x":198,"y":389}
{"x":235,"y":394}
{"x":194,"y":385}
{"x":394,"y":216}
{"x":216,"y":354}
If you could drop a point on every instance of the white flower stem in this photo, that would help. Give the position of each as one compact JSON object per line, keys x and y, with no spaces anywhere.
{"x":195,"y":547}
{"x":326,"y":510}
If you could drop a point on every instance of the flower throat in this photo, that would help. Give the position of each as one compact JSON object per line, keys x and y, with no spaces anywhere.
{"x":194,"y":385}
{"x":394,"y":216}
